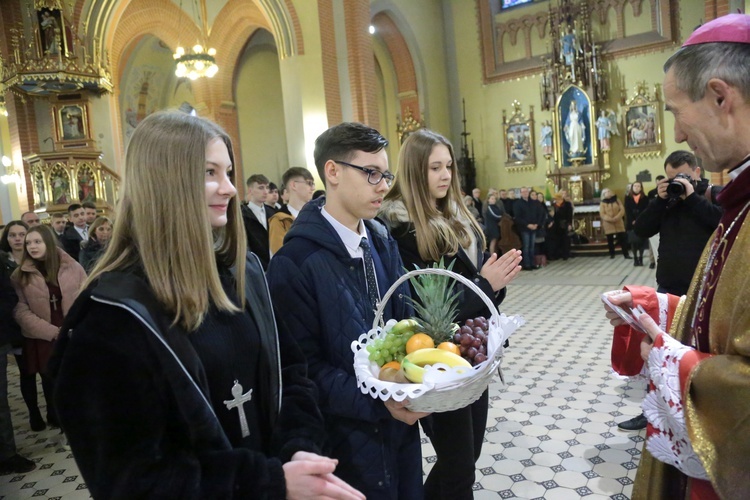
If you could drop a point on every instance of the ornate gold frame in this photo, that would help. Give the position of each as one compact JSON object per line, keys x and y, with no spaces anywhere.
{"x":525,"y":126}
{"x":642,"y":119}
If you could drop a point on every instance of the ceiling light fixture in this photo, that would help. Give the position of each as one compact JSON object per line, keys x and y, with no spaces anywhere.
{"x":197,"y":62}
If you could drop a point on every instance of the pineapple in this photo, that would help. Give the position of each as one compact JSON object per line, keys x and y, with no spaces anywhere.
{"x":437,"y":304}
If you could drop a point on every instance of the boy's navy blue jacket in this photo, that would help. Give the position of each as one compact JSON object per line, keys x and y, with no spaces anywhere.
{"x":323,"y":294}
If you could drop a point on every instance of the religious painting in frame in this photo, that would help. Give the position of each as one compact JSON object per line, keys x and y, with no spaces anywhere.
{"x":72,"y":122}
{"x":575,"y":133}
{"x":642,"y":123}
{"x":518,"y":134}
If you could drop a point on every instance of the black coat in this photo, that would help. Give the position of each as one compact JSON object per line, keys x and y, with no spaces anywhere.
{"x":72,"y":242}
{"x":131,"y":395}
{"x":328,"y":308}
{"x":683,"y":229}
{"x":633,"y":209}
{"x":10,"y":333}
{"x":90,"y":253}
{"x":257,"y":235}
{"x":527,"y":212}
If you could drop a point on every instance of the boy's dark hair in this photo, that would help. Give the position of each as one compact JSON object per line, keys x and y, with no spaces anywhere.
{"x":659,"y":177}
{"x":317,"y":194}
{"x":272,"y":187}
{"x":293,"y":172}
{"x":341,"y":142}
{"x":680,"y":157}
{"x":74,"y":206}
{"x":257,"y":179}
{"x":88,"y":204}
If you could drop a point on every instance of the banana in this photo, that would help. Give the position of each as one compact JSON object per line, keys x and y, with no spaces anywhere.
{"x":414,"y":363}
{"x":404,"y":326}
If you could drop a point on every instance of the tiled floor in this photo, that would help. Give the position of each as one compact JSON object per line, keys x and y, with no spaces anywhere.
{"x":552,"y":428}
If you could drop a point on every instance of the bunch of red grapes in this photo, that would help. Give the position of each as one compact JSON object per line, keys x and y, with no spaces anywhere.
{"x":472,"y":340}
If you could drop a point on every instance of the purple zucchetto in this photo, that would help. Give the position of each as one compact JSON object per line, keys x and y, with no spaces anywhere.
{"x":732,"y":28}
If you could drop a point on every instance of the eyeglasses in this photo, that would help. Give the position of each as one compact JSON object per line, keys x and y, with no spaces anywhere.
{"x":309,"y":183}
{"x":374,"y":177}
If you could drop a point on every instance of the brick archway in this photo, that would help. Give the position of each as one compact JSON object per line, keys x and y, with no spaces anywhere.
{"x":406,"y":76}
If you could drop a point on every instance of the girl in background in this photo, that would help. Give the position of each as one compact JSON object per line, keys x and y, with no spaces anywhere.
{"x":429,"y":222}
{"x":47,"y":282}
{"x":99,"y":234}
{"x":635,"y":203}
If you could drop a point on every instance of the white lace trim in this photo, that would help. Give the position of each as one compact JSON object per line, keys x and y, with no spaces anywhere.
{"x":663,"y":310}
{"x":664,"y":410}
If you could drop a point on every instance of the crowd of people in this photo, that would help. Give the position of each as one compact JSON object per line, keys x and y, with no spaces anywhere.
{"x":168,"y":363}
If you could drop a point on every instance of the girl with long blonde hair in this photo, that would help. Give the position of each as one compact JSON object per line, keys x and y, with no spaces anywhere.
{"x":428,"y":220}
{"x":171,"y":364}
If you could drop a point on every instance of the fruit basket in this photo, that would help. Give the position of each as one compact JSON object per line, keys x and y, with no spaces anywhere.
{"x":443,"y":388}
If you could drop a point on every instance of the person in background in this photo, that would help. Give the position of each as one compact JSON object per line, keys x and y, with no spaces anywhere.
{"x":611,"y":212}
{"x":12,"y":246}
{"x":430,"y":224}
{"x":508,"y":198}
{"x":170,"y":367}
{"x":10,"y":461}
{"x":655,"y":192}
{"x":493,"y":214}
{"x":89,"y":212}
{"x":558,"y":234}
{"x":476,"y":195}
{"x":469,"y":203}
{"x":57,"y":223}
{"x":273,"y":196}
{"x":255,"y":215}
{"x":30,"y":218}
{"x":525,"y":217}
{"x":635,"y":203}
{"x":99,"y":234}
{"x":540,"y":236}
{"x":300,"y":185}
{"x":47,"y":282}
{"x":76,"y":232}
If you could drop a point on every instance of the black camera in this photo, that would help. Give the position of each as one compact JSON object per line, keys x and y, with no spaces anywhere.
{"x":675,"y":188}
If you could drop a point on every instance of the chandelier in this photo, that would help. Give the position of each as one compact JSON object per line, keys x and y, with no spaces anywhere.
{"x":197,"y":62}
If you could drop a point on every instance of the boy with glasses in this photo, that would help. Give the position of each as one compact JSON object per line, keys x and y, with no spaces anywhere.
{"x":336,"y":263}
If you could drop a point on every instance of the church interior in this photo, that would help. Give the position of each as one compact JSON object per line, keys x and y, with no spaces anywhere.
{"x":498,"y":78}
{"x":553,"y":95}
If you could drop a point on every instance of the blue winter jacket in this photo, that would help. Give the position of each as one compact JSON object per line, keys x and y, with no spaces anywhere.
{"x":322,"y":294}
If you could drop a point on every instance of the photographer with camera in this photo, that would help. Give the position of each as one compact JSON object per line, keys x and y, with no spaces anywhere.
{"x":684,"y":215}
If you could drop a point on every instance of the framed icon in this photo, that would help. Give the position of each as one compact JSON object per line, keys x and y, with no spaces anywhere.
{"x":518,"y":132}
{"x":642,"y":123}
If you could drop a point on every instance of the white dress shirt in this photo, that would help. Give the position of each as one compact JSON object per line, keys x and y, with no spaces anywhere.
{"x":260,"y":213}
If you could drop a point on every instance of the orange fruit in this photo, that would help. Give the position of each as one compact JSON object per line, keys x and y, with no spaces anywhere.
{"x":450,"y":347}
{"x":419,"y":341}
{"x":391,"y":364}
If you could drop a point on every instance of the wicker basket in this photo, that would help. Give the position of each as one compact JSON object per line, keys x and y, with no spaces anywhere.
{"x":446,"y":390}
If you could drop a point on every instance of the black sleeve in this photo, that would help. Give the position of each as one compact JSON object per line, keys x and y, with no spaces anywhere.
{"x":520,"y":213}
{"x":705,"y":212}
{"x":8,"y":297}
{"x":649,"y":222}
{"x":470,"y":304}
{"x":299,"y":426}
{"x":120,"y":417}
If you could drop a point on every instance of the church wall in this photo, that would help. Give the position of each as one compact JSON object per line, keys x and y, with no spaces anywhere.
{"x":387,"y":100}
{"x":422,"y":25}
{"x":260,"y":107}
{"x":8,"y":196}
{"x":485,"y":102}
